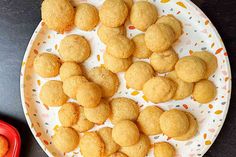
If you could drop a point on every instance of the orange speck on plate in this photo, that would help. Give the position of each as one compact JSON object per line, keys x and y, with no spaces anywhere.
{"x":56,"y":47}
{"x":145,"y":98}
{"x":190,"y":52}
{"x":225,"y":54}
{"x":131,"y":27}
{"x":185,"y":106}
{"x":165,"y":1}
{"x":219,"y":50}
{"x":218,"y":112}
{"x":38,"y":134}
{"x":206,"y":22}
{"x":36,"y":51}
{"x":212,"y":45}
{"x":168,"y":138}
{"x":205,"y":136}
{"x":181,"y":4}
{"x":210,"y":106}
{"x":208,"y":142}
{"x":135,"y":93}
{"x":209,"y":36}
{"x":226,"y":79}
{"x":45,"y":142}
{"x":98,"y":57}
{"x":49,"y":36}
{"x":39,"y":82}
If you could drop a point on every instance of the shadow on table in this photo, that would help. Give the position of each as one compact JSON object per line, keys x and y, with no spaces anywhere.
{"x":25,"y":133}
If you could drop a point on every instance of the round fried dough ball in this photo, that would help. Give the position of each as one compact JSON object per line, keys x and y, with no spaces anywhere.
{"x":71,"y":84}
{"x":164,"y":149}
{"x":159,"y":37}
{"x":148,"y":120}
{"x":191,"y":69}
{"x":140,"y":149}
{"x":88,"y":94}
{"x":91,"y":145}
{"x":174,"y":123}
{"x":116,"y":64}
{"x":74,"y":48}
{"x":138,"y":74}
{"x":125,"y":133}
{"x":123,"y":109}
{"x":143,"y":14}
{"x":69,"y":69}
{"x":58,"y":14}
{"x":98,"y":114}
{"x":159,"y":89}
{"x":68,"y":114}
{"x":86,"y":16}
{"x":65,"y":139}
{"x":4,"y":146}
{"x":120,"y":46}
{"x":193,"y":127}
{"x":107,"y":80}
{"x":105,"y":33}
{"x":210,"y":60}
{"x":113,"y":13}
{"x":52,"y":94}
{"x":141,"y":50}
{"x":110,"y":145}
{"x":82,"y":124}
{"x":47,"y":65}
{"x":165,"y":61}
{"x":204,"y":91}
{"x":173,"y":22}
{"x":118,"y":154}
{"x":184,"y":89}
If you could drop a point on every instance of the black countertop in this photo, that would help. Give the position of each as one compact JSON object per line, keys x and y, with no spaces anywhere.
{"x":19,"y":18}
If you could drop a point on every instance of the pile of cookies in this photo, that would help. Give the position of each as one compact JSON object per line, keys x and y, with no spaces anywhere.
{"x":166,"y":77}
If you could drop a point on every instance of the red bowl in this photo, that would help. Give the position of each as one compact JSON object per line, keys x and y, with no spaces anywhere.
{"x":13,"y":138}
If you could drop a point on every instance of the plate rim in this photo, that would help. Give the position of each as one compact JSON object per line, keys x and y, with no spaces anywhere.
{"x":30,"y":45}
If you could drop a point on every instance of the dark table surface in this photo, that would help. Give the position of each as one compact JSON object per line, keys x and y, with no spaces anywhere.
{"x":19,"y":18}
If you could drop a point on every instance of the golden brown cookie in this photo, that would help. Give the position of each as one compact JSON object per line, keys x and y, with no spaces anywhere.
{"x":98,"y":114}
{"x":58,"y":14}
{"x":106,"y":136}
{"x":159,"y":37}
{"x":138,"y":74}
{"x":107,"y":80}
{"x":184,"y":89}
{"x":193,"y":127}
{"x":52,"y":94}
{"x":173,"y":22}
{"x":4,"y":146}
{"x":74,"y":48}
{"x":143,"y":14}
{"x":69,"y":69}
{"x":140,"y":149}
{"x":86,"y":16}
{"x":204,"y":91}
{"x":71,"y":84}
{"x":89,"y":94}
{"x":159,"y":89}
{"x":174,"y":123}
{"x":164,"y":149}
{"x":120,"y":46}
{"x":68,"y":114}
{"x":91,"y":145}
{"x":47,"y":65}
{"x":83,"y":124}
{"x":116,"y":64}
{"x":141,"y":50}
{"x":149,"y":120}
{"x":125,"y":133}
{"x":165,"y":61}
{"x":113,"y":13}
{"x":65,"y":139}
{"x":105,"y":33}
{"x":191,"y":69}
{"x":118,"y":154}
{"x":123,"y":108}
{"x":210,"y":60}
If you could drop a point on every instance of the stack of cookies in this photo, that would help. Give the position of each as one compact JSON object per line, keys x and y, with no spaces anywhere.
{"x":161,"y":77}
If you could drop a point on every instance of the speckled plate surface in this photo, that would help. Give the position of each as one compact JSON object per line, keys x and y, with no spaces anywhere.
{"x":199,"y":34}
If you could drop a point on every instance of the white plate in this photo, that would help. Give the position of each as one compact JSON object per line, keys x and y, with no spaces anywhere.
{"x":199,"y":34}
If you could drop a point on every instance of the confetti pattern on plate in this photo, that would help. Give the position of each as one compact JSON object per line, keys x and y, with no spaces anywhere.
{"x":199,"y":34}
